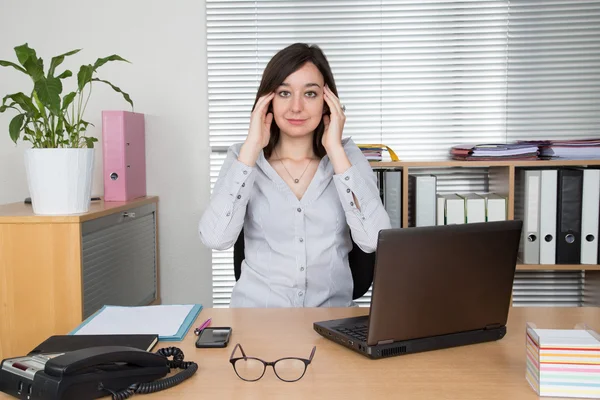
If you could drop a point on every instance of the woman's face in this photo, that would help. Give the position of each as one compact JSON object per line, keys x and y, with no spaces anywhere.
{"x":298,"y":102}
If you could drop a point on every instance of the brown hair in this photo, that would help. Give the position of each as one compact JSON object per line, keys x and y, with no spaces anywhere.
{"x":282,"y":65}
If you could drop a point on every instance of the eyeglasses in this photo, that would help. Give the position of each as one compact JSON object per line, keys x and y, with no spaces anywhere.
{"x":251,"y":369}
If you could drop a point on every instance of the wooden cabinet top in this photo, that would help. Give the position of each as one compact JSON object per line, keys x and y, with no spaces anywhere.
{"x":20,"y":213}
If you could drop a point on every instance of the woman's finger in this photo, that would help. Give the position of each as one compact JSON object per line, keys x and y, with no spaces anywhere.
{"x":332,"y":96}
{"x":268,"y":120}
{"x":263,"y":102}
{"x":333,"y":101}
{"x":326,"y":121}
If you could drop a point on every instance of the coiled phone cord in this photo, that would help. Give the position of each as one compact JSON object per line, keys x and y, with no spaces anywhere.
{"x":189,"y":368}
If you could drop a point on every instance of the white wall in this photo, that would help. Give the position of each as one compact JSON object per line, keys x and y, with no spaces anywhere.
{"x":166,"y":43}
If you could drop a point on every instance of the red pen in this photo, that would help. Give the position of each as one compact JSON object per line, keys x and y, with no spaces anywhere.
{"x":201,"y":327}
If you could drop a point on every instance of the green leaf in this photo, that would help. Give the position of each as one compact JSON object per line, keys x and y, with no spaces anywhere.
{"x":84,"y":76}
{"x":59,"y":126}
{"x":48,"y":91}
{"x":56,"y":61}
{"x":40,"y":106}
{"x":89,"y":141}
{"x":35,"y":68}
{"x":5,"y":107}
{"x":10,"y":64}
{"x":83,"y":125}
{"x":65,"y":75}
{"x":101,"y":61}
{"x":23,"y":101}
{"x":68,"y":99}
{"x":24,"y":53}
{"x":116,"y":89}
{"x":15,"y":127}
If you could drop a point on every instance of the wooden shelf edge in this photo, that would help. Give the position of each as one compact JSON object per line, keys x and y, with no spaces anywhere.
{"x":557,"y":267}
{"x":481,"y":164}
{"x":19,"y":213}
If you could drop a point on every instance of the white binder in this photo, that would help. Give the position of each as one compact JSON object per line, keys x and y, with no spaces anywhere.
{"x":548,"y":187}
{"x":392,"y":187}
{"x":455,"y":209}
{"x":474,"y":207}
{"x":495,"y":207}
{"x":590,"y":204}
{"x":424,"y":199}
{"x":528,"y":197}
{"x":441,"y":210}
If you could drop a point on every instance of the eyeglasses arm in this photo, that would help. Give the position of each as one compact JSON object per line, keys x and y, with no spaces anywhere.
{"x":235,"y":348}
{"x":312,"y":353}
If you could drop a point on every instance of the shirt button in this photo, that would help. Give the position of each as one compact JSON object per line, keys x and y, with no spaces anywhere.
{"x":300,"y":294}
{"x":301,"y":268}
{"x":351,"y":204}
{"x":228,"y":213}
{"x":348,"y":190}
{"x":347,"y":178}
{"x":239,"y":196}
{"x":299,"y":209}
{"x":301,"y":240}
{"x":245,"y":172}
{"x":243,"y":184}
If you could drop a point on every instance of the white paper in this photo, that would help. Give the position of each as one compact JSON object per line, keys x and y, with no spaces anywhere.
{"x":163,"y":320}
{"x":574,"y":337}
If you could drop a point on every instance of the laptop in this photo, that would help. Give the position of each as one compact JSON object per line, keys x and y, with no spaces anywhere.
{"x":434,"y":287}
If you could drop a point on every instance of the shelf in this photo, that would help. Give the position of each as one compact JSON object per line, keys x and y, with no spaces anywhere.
{"x":480,"y":164}
{"x":21,"y":213}
{"x":557,"y":267}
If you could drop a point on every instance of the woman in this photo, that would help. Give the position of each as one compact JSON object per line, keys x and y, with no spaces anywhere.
{"x":298,"y":189}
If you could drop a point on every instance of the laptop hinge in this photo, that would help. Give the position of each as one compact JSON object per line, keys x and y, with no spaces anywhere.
{"x":493,"y":326}
{"x":389,"y":341}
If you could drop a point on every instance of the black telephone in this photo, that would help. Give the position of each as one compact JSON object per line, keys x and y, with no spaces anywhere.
{"x":92,"y":373}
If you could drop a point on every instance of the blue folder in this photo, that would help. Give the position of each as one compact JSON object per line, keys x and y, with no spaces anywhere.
{"x":181,"y":332}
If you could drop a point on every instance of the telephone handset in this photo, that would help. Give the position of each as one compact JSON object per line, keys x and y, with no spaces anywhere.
{"x":97,"y":358}
{"x":92,"y":373}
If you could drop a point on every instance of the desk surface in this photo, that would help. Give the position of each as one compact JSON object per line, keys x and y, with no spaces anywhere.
{"x":484,"y":371}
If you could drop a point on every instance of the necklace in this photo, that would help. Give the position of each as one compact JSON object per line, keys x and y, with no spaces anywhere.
{"x":296,"y":180}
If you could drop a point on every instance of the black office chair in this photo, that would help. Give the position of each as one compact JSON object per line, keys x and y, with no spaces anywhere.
{"x":362,"y":266}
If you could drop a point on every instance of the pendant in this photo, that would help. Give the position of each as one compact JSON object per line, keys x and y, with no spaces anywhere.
{"x":296,"y":180}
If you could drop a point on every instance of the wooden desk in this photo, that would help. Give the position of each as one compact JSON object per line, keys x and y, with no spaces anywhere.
{"x":483,"y":371}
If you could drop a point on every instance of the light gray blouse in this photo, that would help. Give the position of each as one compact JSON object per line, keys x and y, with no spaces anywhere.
{"x":296,"y":251}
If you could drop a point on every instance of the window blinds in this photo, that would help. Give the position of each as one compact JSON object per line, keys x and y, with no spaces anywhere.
{"x":553,"y":69}
{"x":419,"y":76}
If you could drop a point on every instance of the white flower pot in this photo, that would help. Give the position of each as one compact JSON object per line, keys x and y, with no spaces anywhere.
{"x":60,"y":180}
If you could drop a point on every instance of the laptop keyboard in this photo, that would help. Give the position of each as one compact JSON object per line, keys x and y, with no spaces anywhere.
{"x":358,"y":332}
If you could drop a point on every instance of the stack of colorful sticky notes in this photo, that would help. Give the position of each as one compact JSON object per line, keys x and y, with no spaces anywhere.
{"x":563,"y":362}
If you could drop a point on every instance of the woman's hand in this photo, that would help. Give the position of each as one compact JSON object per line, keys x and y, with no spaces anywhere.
{"x":259,"y":132}
{"x":260,"y":122}
{"x":334,"y":124}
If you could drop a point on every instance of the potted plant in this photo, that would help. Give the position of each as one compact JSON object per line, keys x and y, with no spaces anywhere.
{"x":60,"y":163}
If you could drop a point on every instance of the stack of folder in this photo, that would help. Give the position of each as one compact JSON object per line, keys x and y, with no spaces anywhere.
{"x":494,"y":151}
{"x":563,"y":362}
{"x":560,"y":213}
{"x":579,"y":149}
{"x":374,"y":152}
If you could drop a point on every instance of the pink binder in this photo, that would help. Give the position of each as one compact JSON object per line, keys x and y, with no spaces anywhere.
{"x":124,"y":155}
